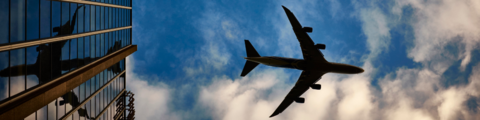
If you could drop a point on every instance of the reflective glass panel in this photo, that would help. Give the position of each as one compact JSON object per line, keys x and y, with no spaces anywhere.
{"x":33,"y":19}
{"x":4,"y":73}
{"x":33,"y":66}
{"x":45,"y":27}
{"x":57,"y":53}
{"x":97,"y":46}
{"x":80,"y":52}
{"x":74,"y":17}
{"x":45,"y":52}
{"x":52,"y":110}
{"x":17,"y":20}
{"x":56,"y":11}
{"x":81,"y":88}
{"x":109,"y":17}
{"x":87,"y":49}
{"x":61,"y":106}
{"x":4,"y":13}
{"x":87,"y":18}
{"x":92,"y":48}
{"x":73,"y":54}
{"x":80,"y":18}
{"x":97,"y":17}
{"x":92,"y":18}
{"x":17,"y":71}
{"x":42,"y":113}
{"x":102,"y":18}
{"x":65,"y":28}
{"x":65,"y":61}
{"x":102,"y":44}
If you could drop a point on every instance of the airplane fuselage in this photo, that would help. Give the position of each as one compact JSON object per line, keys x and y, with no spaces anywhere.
{"x":301,"y":64}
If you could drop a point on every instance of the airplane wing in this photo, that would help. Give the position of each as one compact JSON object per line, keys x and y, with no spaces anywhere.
{"x":310,"y":53}
{"x":306,"y":79}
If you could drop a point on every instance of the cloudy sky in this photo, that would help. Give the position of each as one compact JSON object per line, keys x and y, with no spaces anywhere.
{"x":421,"y":59}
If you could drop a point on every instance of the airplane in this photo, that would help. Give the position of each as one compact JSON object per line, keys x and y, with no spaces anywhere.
{"x":313,"y":66}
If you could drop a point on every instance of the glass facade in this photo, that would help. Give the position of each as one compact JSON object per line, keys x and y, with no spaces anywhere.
{"x":27,"y":20}
{"x":23,"y":69}
{"x":98,"y":102}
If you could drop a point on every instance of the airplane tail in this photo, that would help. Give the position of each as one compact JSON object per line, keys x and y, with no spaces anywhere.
{"x":251,"y":52}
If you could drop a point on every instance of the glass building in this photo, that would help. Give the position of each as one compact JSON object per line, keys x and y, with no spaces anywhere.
{"x":64,"y":59}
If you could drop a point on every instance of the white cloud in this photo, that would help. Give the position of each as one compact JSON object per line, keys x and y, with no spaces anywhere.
{"x":152,"y":98}
{"x":438,"y":23}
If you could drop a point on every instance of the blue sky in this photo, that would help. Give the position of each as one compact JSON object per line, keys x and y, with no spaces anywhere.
{"x":420,"y":59}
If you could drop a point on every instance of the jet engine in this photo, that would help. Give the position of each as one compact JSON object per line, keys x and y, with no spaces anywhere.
{"x":308,"y":29}
{"x":320,"y":46}
{"x":316,"y":86}
{"x":300,"y":100}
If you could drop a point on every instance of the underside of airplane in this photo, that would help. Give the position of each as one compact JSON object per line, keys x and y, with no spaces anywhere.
{"x":313,"y":64}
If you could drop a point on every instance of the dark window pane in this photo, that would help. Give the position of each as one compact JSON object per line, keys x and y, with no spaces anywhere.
{"x":120,"y":18}
{"x":97,"y":82}
{"x":107,"y":44}
{"x":109,"y":17}
{"x":102,"y":45}
{"x":102,"y":18}
{"x":65,"y":57}
{"x":33,"y":19}
{"x":111,"y":43}
{"x":105,"y":77}
{"x":17,"y":20}
{"x":4,"y":73}
{"x":81,"y":95}
{"x":93,"y":84}
{"x":115,"y":18}
{"x":97,"y":17}
{"x":45,"y":18}
{"x":56,"y":11}
{"x":4,"y":13}
{"x":73,"y":54}
{"x":33,"y":66}
{"x":74,"y":17}
{"x":92,"y":48}
{"x":87,"y":50}
{"x":92,"y":18}
{"x":80,"y":18}
{"x":101,"y":78}
{"x":87,"y":18}
{"x":17,"y":71}
{"x":57,"y":53}
{"x":45,"y":62}
{"x":97,"y":46}
{"x":80,"y":52}
{"x":65,"y":24}
{"x":88,"y":88}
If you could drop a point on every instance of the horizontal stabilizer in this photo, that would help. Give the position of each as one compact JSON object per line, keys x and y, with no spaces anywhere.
{"x":248,"y":67}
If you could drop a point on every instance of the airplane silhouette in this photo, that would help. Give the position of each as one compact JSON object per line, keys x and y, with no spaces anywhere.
{"x":313,"y":66}
{"x":51,"y":54}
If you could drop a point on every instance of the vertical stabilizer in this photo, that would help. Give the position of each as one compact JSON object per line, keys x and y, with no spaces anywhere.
{"x":251,"y":52}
